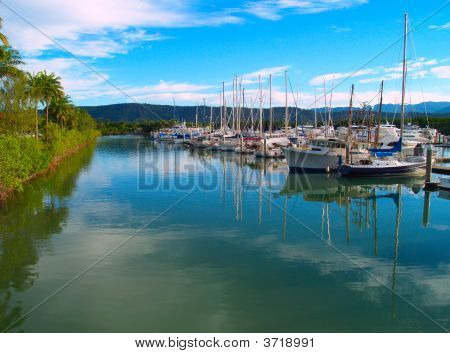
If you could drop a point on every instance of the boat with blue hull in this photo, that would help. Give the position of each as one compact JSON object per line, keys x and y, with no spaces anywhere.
{"x":382,"y":167}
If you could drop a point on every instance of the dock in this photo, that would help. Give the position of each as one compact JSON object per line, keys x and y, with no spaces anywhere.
{"x":442,"y":159}
{"x":440,"y":169}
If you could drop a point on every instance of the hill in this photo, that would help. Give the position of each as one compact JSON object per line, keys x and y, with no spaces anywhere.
{"x":421,"y":108}
{"x":130,"y":112}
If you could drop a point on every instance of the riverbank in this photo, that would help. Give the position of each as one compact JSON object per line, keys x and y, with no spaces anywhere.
{"x":23,"y":158}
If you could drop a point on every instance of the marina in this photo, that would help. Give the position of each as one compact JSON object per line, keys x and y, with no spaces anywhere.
{"x":255,"y":175}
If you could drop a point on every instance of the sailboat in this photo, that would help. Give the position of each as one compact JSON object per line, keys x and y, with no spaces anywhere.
{"x":324,"y":154}
{"x":384,"y":163}
{"x":271,"y":143}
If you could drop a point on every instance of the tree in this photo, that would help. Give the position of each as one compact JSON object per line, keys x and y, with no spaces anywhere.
{"x":62,"y":110}
{"x":3,"y":38}
{"x":35,"y":92}
{"x":51,"y":89}
{"x":9,"y":62}
{"x":16,"y":110}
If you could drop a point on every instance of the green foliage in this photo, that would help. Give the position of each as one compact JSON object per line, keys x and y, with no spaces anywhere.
{"x":22,"y":153}
{"x":9,"y":62}
{"x":16,"y":113}
{"x":63,"y":140}
{"x":137,"y":127}
{"x":83,"y":121}
{"x":21,"y":156}
{"x":442,"y":124}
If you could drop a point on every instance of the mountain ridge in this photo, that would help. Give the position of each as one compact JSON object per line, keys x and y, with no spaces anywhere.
{"x":129,"y":112}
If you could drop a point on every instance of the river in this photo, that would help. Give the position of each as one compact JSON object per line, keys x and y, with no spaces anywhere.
{"x":134,"y":236}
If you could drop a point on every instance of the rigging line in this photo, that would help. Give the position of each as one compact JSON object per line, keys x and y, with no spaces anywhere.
{"x":420,"y":79}
{"x":381,"y":52}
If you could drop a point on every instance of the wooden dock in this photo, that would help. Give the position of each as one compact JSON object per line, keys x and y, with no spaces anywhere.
{"x":440,"y":169}
{"x":442,"y":159}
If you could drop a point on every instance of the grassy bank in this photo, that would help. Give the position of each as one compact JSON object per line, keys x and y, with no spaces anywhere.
{"x":22,"y":157}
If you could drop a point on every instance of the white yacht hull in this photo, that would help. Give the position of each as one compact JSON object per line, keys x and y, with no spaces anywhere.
{"x":308,"y":160}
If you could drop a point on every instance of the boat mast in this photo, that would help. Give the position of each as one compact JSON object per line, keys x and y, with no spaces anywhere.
{"x":325,"y":109}
{"x":349,"y":126}
{"x":330,"y":109}
{"x":204,"y":110}
{"x":239,"y":102}
{"x":243,"y":107}
{"x":251,"y":114}
{"x":270,"y":105}
{"x":380,"y":107}
{"x":405,"y":42}
{"x":196,"y":116}
{"x":315,"y":108}
{"x":234,"y":104}
{"x":296,"y":116}
{"x":286,"y":112}
{"x":210,"y":120}
{"x":174,"y":115}
{"x":223,"y":111}
{"x":260,"y":109}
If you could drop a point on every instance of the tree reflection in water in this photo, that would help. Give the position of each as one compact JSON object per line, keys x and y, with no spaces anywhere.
{"x":27,"y":222}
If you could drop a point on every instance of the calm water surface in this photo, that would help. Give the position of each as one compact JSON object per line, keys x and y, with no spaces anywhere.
{"x":246,"y":247}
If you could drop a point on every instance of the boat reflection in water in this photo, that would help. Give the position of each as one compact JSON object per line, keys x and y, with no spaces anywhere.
{"x":359,"y":199}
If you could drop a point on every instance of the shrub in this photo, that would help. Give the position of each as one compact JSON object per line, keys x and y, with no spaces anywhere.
{"x":22,"y":156}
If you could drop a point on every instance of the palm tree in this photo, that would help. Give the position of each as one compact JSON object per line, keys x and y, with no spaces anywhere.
{"x":62,"y":109}
{"x":3,"y":38}
{"x":51,"y":89}
{"x":9,"y":61}
{"x":35,"y":92}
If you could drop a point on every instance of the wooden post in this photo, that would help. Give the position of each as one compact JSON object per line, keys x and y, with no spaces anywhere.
{"x":426,"y":209}
{"x":429,"y":164}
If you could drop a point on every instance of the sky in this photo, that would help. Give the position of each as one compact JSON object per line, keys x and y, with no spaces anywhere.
{"x":155,"y":51}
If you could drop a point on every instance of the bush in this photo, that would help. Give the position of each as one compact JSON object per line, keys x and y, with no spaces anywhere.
{"x":21,"y":156}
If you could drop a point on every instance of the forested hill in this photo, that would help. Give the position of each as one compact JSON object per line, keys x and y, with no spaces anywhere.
{"x":135,"y":112}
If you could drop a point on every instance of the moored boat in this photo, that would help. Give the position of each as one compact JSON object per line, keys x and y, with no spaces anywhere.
{"x":383,"y":167}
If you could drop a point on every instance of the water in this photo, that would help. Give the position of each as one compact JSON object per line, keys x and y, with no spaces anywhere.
{"x":246,"y":248}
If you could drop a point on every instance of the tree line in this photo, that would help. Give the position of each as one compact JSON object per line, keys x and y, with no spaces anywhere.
{"x":30,"y":102}
{"x":39,"y":125}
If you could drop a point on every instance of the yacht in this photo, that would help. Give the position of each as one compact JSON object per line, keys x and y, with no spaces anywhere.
{"x":321,"y":155}
{"x":388,"y":166}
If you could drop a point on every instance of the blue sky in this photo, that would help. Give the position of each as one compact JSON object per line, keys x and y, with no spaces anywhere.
{"x":155,"y":51}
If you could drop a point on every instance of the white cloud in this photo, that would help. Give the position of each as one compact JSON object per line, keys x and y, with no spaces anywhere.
{"x":76,"y":78}
{"x":276,"y":9}
{"x":416,"y":69}
{"x":441,"y":71}
{"x":274,"y":71}
{"x":422,"y":62}
{"x":387,"y":77}
{"x":101,"y":21}
{"x":141,"y":35}
{"x":318,"y":80}
{"x":440,"y":27}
